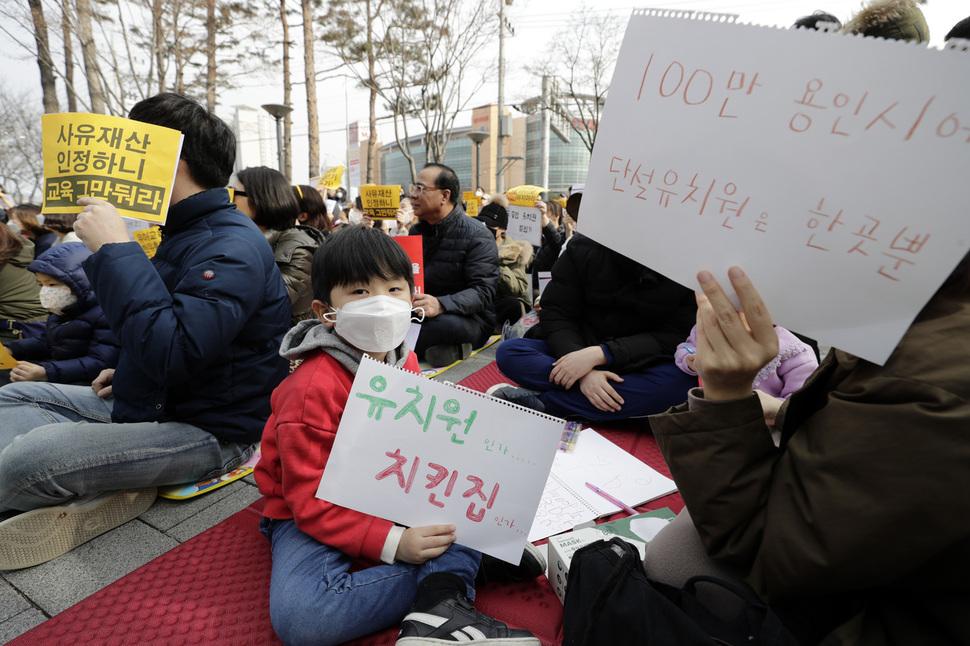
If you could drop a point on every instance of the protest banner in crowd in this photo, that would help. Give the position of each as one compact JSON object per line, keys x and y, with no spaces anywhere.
{"x":127,"y":163}
{"x":842,"y":194}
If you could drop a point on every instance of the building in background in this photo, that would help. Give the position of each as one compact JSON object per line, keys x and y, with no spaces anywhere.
{"x":567,"y":162}
{"x":255,"y":138}
{"x":256,"y":146}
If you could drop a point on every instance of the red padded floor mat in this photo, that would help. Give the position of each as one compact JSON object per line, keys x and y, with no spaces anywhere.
{"x":214,"y":588}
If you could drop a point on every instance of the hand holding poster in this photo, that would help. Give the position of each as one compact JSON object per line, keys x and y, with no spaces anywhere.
{"x":127,"y":163}
{"x":842,"y":195}
{"x":421,"y":452}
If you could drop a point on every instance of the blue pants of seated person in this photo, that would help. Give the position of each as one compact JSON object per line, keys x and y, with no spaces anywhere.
{"x":58,"y":444}
{"x":315,"y":599}
{"x":528,"y":362}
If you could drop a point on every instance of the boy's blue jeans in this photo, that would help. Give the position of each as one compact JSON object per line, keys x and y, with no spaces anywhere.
{"x":57,"y":444}
{"x":528,"y":362}
{"x":315,"y":599}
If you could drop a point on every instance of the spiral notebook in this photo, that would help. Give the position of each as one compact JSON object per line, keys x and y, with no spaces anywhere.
{"x":566,"y":500}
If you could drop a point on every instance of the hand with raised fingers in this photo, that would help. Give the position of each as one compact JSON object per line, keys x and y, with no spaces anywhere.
{"x":730,"y":353}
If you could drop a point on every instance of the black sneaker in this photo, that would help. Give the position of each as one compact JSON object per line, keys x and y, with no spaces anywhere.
{"x":517,"y":395}
{"x":493,"y":569}
{"x":454,"y":620}
{"x":447,"y":354}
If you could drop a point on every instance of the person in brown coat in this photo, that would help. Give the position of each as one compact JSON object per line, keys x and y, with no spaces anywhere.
{"x":855,"y":529}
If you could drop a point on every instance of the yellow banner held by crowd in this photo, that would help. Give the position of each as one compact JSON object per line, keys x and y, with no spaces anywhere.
{"x":381,"y":202}
{"x":472,"y":202}
{"x":149,"y":239}
{"x":525,"y":195}
{"x":331,"y":178}
{"x":127,"y":163}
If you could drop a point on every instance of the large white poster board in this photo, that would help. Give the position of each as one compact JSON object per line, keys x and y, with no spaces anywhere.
{"x":834,"y":169}
{"x":420,"y":452}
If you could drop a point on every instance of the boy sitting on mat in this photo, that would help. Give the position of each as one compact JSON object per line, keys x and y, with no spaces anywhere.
{"x":363,"y":286}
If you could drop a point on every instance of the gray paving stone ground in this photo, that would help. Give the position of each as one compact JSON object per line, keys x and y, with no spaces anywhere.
{"x":31,"y":596}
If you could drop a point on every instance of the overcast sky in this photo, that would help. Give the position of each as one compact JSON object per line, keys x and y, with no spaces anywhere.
{"x":536,"y":23}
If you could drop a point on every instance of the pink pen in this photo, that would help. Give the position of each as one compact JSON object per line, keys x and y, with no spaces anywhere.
{"x":625,"y":507}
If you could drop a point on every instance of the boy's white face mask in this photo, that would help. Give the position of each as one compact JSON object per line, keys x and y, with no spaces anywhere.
{"x":373,"y":324}
{"x":56,"y":298}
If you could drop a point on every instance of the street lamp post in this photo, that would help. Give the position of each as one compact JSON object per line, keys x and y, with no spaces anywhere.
{"x":278,"y":112}
{"x":478,"y":137}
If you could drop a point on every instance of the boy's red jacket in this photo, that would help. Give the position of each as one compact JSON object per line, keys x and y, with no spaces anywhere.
{"x":297,"y":440}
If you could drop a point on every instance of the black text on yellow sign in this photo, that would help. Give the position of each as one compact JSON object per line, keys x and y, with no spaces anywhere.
{"x":381,"y":202}
{"x":127,"y":163}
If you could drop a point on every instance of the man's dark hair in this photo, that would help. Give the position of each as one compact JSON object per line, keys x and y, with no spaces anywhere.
{"x":270,"y":197}
{"x":356,"y":254}
{"x":209,"y":147}
{"x":959,"y":30}
{"x":447,"y":180}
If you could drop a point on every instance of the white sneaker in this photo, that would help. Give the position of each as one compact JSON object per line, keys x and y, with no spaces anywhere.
{"x":37,"y":536}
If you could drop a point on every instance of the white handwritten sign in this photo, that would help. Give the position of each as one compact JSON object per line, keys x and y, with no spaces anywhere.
{"x":420,"y":452}
{"x":833,"y":169}
{"x":525,"y":223}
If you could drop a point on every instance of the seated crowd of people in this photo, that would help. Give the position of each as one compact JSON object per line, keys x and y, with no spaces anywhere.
{"x":832,"y":490}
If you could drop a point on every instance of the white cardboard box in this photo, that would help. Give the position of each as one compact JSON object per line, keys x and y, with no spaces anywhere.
{"x":562,"y":547}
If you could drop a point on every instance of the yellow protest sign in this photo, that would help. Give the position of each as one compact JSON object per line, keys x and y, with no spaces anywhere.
{"x":6,"y":359}
{"x":127,"y":163}
{"x":331,"y":177}
{"x":381,"y":202}
{"x":525,"y":195}
{"x":472,"y":202}
{"x":149,"y":239}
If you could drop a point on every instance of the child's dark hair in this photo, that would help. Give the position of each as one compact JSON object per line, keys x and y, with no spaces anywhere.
{"x":356,"y":254}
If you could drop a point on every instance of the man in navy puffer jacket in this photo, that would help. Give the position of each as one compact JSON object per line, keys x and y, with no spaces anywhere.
{"x":200,"y":326}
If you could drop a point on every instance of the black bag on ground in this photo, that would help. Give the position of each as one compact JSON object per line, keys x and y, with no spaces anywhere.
{"x":609,"y":600}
